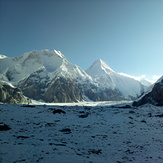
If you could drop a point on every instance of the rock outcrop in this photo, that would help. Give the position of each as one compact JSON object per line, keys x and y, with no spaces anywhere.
{"x":11,"y":95}
{"x":63,"y":90}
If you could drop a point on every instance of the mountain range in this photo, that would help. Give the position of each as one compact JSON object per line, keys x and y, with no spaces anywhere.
{"x":49,"y":76}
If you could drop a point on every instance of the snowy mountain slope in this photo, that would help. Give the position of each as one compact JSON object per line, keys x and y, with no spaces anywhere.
{"x":106,"y":77}
{"x":153,"y":96}
{"x":2,"y":56}
{"x":64,"y":134}
{"x":142,"y":80}
{"x":18,"y":68}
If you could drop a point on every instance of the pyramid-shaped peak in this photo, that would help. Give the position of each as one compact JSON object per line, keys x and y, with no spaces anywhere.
{"x":99,"y":68}
{"x":99,"y":61}
{"x":101,"y":64}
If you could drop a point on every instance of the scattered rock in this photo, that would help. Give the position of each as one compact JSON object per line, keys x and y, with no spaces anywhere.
{"x":66,"y":131}
{"x":23,"y":137}
{"x":131,"y":112}
{"x":57,"y":144}
{"x":143,"y":121}
{"x":59,"y":111}
{"x":4,"y":127}
{"x":84,"y":115}
{"x":150,"y":114}
{"x":19,"y":161}
{"x":29,"y":106}
{"x":95,"y":151}
{"x":49,"y":124}
{"x":160,"y":115}
{"x":124,"y":107}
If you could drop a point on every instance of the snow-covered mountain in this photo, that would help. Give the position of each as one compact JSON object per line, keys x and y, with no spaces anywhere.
{"x":17,"y":68}
{"x":106,"y":77}
{"x":141,"y":79}
{"x":153,"y":96}
{"x":49,"y":76}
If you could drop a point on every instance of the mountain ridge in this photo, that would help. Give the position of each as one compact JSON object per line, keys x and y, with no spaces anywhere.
{"x":49,"y":76}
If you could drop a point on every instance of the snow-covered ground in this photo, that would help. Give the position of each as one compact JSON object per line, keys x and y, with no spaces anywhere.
{"x":81,"y":133}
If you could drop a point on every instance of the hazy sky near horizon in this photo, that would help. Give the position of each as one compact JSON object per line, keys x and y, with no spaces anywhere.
{"x":126,"y":34}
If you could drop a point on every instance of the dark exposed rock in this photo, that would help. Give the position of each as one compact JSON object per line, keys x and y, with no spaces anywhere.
{"x":34,"y":86}
{"x":11,"y":95}
{"x":85,"y":115}
{"x":57,"y":144}
{"x":160,"y":115}
{"x":125,"y":106}
{"x":95,"y":151}
{"x":22,"y":137}
{"x":29,"y":106}
{"x":131,"y":112}
{"x":49,"y":124}
{"x":154,"y":97}
{"x":63,"y":90}
{"x":59,"y":111}
{"x":66,"y":131}
{"x":4,"y":127}
{"x":143,"y":121}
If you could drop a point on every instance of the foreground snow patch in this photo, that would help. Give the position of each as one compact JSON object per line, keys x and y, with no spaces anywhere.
{"x":83,"y":134}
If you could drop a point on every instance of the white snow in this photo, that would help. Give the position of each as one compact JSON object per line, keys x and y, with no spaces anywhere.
{"x":6,"y":83}
{"x":2,"y":56}
{"x":53,"y":61}
{"x":142,"y":79}
{"x":103,"y":74}
{"x":99,"y":67}
{"x":160,"y":79}
{"x":99,"y":134}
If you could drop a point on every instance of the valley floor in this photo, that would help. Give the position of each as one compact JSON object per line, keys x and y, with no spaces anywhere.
{"x":84,"y":134}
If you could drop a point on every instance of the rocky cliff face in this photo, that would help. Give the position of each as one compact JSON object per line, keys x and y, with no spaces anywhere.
{"x":35,"y":85}
{"x":154,"y":97}
{"x":12,"y":95}
{"x":63,"y":90}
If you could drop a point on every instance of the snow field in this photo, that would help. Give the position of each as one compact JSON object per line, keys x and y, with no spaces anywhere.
{"x":84,"y":134}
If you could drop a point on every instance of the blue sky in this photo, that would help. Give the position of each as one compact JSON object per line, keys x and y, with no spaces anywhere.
{"x":126,"y":34}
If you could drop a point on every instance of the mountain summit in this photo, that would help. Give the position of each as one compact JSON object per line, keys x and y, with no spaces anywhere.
{"x":106,"y":77}
{"x":99,"y":67}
